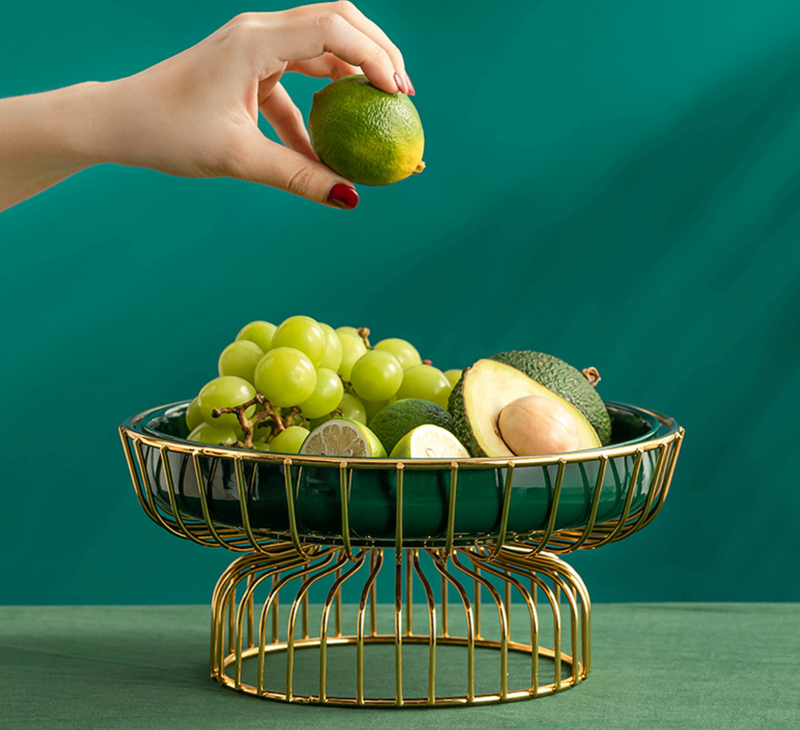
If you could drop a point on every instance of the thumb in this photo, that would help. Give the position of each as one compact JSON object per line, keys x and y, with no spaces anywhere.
{"x":269,"y":163}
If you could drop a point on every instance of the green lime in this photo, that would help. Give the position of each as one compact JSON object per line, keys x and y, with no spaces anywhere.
{"x":395,"y":420}
{"x":429,"y":442}
{"x":342,"y":437}
{"x":365,"y":134}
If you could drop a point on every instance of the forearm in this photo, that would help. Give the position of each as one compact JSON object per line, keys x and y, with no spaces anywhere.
{"x":45,"y":138}
{"x":196,"y":114}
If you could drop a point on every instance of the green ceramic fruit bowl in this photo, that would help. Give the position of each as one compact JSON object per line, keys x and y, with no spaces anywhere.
{"x":516,"y":498}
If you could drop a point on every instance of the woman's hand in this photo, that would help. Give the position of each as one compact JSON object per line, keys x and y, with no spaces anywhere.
{"x":196,"y":114}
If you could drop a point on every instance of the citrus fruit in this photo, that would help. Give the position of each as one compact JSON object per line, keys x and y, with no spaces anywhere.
{"x":342,"y":437}
{"x":395,"y":420}
{"x":365,"y":134}
{"x":429,"y":442}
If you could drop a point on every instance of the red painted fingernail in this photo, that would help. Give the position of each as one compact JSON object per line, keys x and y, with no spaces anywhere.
{"x":411,"y":90}
{"x":401,"y":82}
{"x":343,"y":196}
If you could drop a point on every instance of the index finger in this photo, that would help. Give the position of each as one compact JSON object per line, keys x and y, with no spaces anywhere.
{"x":369,"y":28}
{"x":304,"y":35}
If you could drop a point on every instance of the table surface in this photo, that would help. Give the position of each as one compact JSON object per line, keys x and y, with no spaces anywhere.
{"x":679,"y":665}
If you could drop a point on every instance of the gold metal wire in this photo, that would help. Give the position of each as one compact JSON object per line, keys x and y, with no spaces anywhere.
{"x":187,"y":447}
{"x":284,"y":568}
{"x":252,"y":573}
{"x":246,"y":538}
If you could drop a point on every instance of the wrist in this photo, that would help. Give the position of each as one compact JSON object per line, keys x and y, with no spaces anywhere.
{"x":82,"y":124}
{"x":57,"y":129}
{"x":107,"y":127}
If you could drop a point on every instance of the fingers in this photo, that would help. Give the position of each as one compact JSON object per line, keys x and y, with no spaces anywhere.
{"x":360,"y":21}
{"x":269,"y":163}
{"x":287,"y":120}
{"x":314,"y":30}
{"x":326,"y":66}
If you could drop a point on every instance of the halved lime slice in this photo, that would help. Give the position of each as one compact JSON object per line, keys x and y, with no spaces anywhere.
{"x":342,"y":437}
{"x":429,"y":442}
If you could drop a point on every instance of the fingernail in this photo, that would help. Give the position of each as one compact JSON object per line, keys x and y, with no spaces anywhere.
{"x":401,"y":82}
{"x":411,"y":90}
{"x":343,"y":196}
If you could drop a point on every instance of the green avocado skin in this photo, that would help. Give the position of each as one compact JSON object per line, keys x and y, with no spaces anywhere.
{"x":384,"y":423}
{"x":563,"y":380}
{"x":461,"y":427}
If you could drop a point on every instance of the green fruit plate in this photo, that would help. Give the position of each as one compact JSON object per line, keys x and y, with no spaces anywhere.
{"x":241,"y":499}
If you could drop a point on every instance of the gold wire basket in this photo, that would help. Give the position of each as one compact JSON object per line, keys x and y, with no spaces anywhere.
{"x":458,"y":530}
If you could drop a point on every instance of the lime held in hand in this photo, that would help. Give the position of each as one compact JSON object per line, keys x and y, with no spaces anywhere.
{"x":365,"y":134}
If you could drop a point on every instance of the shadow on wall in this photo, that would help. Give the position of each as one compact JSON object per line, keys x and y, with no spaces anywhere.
{"x":690,"y":223}
{"x":687,"y":253}
{"x":653,"y":204}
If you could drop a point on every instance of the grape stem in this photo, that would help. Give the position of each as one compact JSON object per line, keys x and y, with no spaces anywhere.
{"x":260,"y":419}
{"x":363,"y":333}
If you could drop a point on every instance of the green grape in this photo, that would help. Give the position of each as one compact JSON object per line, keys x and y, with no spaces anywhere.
{"x":348,"y":330}
{"x":353,"y":348}
{"x":225,"y":392}
{"x":193,"y":416}
{"x":333,"y":353}
{"x":427,"y":383}
{"x":304,"y":334}
{"x":314,"y":422}
{"x":207,"y":434}
{"x":373,"y":407}
{"x":261,"y":446}
{"x":404,"y":351}
{"x":260,"y":332}
{"x":289,"y":441}
{"x":240,"y":359}
{"x":285,"y":376}
{"x":377,"y":375}
{"x":326,"y":396}
{"x":353,"y":409}
{"x":453,"y":376}
{"x":261,"y":434}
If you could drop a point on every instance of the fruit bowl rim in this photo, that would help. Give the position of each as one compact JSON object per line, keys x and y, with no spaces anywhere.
{"x":135,"y":427}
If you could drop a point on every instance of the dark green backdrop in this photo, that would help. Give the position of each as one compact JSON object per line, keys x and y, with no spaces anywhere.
{"x":616,"y":183}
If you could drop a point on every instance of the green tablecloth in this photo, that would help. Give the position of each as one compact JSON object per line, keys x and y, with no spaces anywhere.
{"x":653,"y":666}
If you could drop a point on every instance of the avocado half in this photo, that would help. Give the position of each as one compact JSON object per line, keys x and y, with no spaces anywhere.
{"x":564,"y":380}
{"x":483,"y":391}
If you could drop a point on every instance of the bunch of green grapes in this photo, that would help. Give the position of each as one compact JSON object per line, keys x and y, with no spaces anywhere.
{"x":307,"y":372}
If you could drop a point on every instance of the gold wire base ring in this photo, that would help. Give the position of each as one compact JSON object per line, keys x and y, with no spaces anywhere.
{"x":264,"y":647}
{"x":511,"y":696}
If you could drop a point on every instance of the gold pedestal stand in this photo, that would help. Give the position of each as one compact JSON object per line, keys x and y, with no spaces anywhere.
{"x":247,"y":621}
{"x":283,"y":627}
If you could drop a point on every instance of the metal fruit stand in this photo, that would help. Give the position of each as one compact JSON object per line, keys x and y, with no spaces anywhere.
{"x":467,"y":538}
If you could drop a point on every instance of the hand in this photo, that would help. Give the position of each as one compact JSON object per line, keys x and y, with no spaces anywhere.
{"x":196,"y":114}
